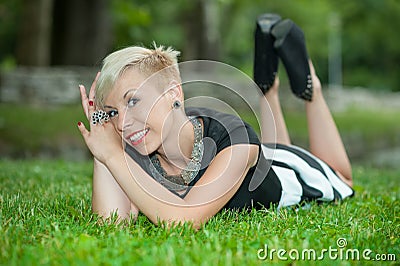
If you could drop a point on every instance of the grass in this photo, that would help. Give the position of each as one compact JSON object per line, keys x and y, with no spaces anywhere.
{"x":46,"y":219}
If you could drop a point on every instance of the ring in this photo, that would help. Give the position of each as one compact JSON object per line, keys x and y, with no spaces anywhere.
{"x":99,"y":117}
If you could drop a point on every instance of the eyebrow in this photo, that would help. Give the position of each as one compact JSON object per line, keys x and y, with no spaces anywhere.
{"x":128,"y":91}
{"x":125,"y":94}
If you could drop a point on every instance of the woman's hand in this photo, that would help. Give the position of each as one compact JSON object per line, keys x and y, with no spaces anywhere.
{"x":102,"y":139}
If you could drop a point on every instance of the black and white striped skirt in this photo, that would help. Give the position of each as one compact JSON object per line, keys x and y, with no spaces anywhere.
{"x":287,"y":176}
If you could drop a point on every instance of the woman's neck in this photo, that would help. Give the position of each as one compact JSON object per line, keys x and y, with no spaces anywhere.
{"x":176,"y":150}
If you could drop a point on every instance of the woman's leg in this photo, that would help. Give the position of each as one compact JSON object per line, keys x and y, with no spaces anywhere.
{"x":270,"y":121}
{"x":325,"y":141}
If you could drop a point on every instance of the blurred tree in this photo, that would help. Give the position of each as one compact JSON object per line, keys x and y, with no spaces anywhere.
{"x":131,"y":22}
{"x":200,"y":22}
{"x":34,"y":34}
{"x":190,"y":26}
{"x":10,"y":13}
{"x":371,"y":43}
{"x":82,"y":32}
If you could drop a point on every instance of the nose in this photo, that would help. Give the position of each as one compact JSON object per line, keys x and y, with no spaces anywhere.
{"x":120,"y":122}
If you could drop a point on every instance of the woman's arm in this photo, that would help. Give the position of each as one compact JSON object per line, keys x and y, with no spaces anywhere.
{"x":216,"y":187}
{"x":220,"y":181}
{"x":107,"y":195}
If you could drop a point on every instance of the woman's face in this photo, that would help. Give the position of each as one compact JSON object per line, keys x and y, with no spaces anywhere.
{"x":140,"y":110}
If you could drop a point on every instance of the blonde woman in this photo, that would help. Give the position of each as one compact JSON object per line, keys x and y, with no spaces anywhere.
{"x":150,"y":153}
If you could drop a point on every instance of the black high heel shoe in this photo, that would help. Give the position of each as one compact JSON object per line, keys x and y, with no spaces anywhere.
{"x":291,"y":48}
{"x":265,"y":58}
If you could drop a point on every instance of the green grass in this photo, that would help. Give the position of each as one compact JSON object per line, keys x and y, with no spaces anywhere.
{"x":46,"y":219}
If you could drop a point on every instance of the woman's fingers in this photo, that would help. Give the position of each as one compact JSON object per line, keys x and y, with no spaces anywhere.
{"x":84,"y":100}
{"x":88,"y":101}
{"x":92,"y":91}
{"x":91,"y":107}
{"x":83,"y":130}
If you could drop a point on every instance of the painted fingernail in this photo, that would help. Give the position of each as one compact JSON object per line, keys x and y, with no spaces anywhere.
{"x":91,"y":103}
{"x":79,"y":123}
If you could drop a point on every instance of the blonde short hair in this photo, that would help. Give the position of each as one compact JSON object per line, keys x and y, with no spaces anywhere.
{"x":146,"y":61}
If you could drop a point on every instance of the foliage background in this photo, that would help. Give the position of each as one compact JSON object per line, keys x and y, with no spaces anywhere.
{"x":222,"y":30}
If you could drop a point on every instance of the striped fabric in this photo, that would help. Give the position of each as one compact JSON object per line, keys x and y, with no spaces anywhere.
{"x":304,"y":177}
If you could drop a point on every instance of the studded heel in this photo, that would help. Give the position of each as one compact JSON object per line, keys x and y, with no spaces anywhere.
{"x":291,"y":48}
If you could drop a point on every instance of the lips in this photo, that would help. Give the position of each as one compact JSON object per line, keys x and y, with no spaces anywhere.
{"x":138,"y":136}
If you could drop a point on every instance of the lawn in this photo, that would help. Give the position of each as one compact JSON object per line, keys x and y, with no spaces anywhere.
{"x":46,"y":219}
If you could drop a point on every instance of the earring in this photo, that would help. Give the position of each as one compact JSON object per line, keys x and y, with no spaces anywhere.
{"x":176,"y":105}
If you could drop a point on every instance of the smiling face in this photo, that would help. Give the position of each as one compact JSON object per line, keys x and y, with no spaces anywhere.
{"x":140,"y":110}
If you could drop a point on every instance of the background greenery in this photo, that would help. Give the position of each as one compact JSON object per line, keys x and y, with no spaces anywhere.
{"x":369,"y":31}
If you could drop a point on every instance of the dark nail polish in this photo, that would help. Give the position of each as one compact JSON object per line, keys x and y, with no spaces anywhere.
{"x":91,"y":103}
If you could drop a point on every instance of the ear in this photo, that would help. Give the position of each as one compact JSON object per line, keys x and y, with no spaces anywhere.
{"x":175,"y":90}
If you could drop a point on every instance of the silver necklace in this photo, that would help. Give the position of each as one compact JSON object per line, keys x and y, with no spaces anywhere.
{"x":179,"y":182}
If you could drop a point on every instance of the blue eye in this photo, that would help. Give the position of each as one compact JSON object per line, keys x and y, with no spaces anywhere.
{"x":133,"y":101}
{"x":113,"y":113}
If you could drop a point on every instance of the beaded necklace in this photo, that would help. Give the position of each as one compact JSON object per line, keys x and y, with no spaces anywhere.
{"x":181,"y":181}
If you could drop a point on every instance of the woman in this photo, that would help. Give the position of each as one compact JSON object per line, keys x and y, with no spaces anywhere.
{"x":153,"y":155}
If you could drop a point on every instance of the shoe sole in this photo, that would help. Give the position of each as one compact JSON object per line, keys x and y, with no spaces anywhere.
{"x":267,"y":21}
{"x":281,"y":31}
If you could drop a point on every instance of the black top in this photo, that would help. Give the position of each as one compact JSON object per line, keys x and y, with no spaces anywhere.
{"x":281,"y":180}
{"x":283,"y":175}
{"x":220,"y":131}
